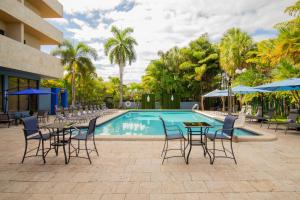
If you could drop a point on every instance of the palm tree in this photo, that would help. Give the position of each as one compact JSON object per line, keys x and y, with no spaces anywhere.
{"x":234,"y":47}
{"x":77,"y":60}
{"x":120,"y":50}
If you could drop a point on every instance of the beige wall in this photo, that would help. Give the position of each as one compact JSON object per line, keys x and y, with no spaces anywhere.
{"x":47,"y":33}
{"x":32,"y":41}
{"x":15,"y":31}
{"x":15,"y":55}
{"x":2,"y":25}
{"x":31,"y":7}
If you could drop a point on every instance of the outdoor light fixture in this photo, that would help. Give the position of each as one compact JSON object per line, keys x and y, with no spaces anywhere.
{"x":172,"y":98}
{"x":148,"y":98}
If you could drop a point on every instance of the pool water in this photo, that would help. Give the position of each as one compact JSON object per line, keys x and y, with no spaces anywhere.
{"x":148,"y":123}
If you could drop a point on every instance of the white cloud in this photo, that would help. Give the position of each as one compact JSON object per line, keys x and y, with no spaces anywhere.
{"x":162,"y":24}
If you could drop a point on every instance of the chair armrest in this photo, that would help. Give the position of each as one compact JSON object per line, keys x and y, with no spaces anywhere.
{"x":222,"y":130}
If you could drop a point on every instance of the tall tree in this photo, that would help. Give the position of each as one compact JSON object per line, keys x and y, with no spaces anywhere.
{"x":234,"y":47}
{"x":77,"y":60}
{"x":120,"y":50}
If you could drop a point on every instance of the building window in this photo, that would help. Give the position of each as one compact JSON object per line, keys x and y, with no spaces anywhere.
{"x":1,"y":93}
{"x":21,"y":102}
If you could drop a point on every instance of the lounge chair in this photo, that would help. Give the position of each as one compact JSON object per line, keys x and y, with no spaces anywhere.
{"x":42,"y":116}
{"x":225,"y":133}
{"x":6,"y":119}
{"x":291,"y":122}
{"x":172,"y":132}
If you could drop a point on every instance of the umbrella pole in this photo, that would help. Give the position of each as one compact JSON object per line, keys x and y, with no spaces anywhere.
{"x":229,"y":96}
{"x":262,"y":105}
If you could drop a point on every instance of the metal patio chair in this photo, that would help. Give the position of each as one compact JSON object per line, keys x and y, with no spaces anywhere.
{"x":225,"y":133}
{"x":32,"y":132}
{"x":83,"y":133}
{"x":172,"y":132}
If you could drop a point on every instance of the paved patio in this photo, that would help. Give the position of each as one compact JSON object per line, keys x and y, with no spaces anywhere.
{"x":132,"y":170}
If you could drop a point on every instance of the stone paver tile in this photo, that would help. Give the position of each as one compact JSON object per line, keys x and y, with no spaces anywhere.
{"x":150,"y":187}
{"x":7,"y":175}
{"x":17,"y":187}
{"x":173,"y":187}
{"x":263,"y":185}
{"x":242,"y":186}
{"x":84,"y":188}
{"x":211,"y":196}
{"x":113,"y":197}
{"x":40,"y":187}
{"x":287,"y":195}
{"x":195,"y":186}
{"x":286,"y":186}
{"x":218,"y":186}
{"x":162,"y":196}
{"x":263,"y":195}
{"x":236,"y":196}
{"x":127,"y":187}
{"x":14,"y":196}
{"x":189,"y":196}
{"x":41,"y":196}
{"x":137,"y":197}
{"x":104,"y":187}
{"x":200,"y":176}
{"x":62,"y":188}
{"x":89,"y":197}
{"x":140,"y":177}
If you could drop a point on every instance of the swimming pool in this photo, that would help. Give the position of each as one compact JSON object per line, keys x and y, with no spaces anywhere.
{"x":148,"y":123}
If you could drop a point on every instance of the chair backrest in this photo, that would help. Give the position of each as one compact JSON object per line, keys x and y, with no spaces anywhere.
{"x":30,"y":125}
{"x":271,"y":112}
{"x":259,"y":111}
{"x":248,"y":110}
{"x":240,"y":122}
{"x":164,"y":125}
{"x":4,"y":116}
{"x":292,"y":118}
{"x":42,"y":113}
{"x":243,"y":109}
{"x":228,"y":126}
{"x":92,"y":127}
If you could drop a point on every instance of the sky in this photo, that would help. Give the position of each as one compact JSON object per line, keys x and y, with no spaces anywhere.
{"x":162,"y":24}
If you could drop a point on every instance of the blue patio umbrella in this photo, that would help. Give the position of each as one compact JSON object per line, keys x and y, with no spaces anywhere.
{"x":285,"y":85}
{"x":242,"y":89}
{"x":217,"y":93}
{"x":30,"y":91}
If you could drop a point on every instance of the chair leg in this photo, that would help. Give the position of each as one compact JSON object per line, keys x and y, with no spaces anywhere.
{"x":87,"y":152}
{"x":167,"y":144}
{"x":214,"y":152}
{"x":78,"y":149}
{"x":25,"y":152}
{"x":38,"y":148}
{"x":163,"y":148}
{"x":232,"y":152}
{"x":95,"y":146}
{"x":43,"y":151}
{"x":69,"y":149}
{"x":223,"y":147}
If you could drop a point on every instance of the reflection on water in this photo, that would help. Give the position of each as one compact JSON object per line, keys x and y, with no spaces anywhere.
{"x":148,"y":123}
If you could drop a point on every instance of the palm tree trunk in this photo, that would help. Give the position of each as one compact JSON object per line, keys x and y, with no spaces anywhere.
{"x":121,"y":70}
{"x":73,"y":86}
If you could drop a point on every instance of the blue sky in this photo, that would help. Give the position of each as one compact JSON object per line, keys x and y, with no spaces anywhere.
{"x":162,"y":24}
